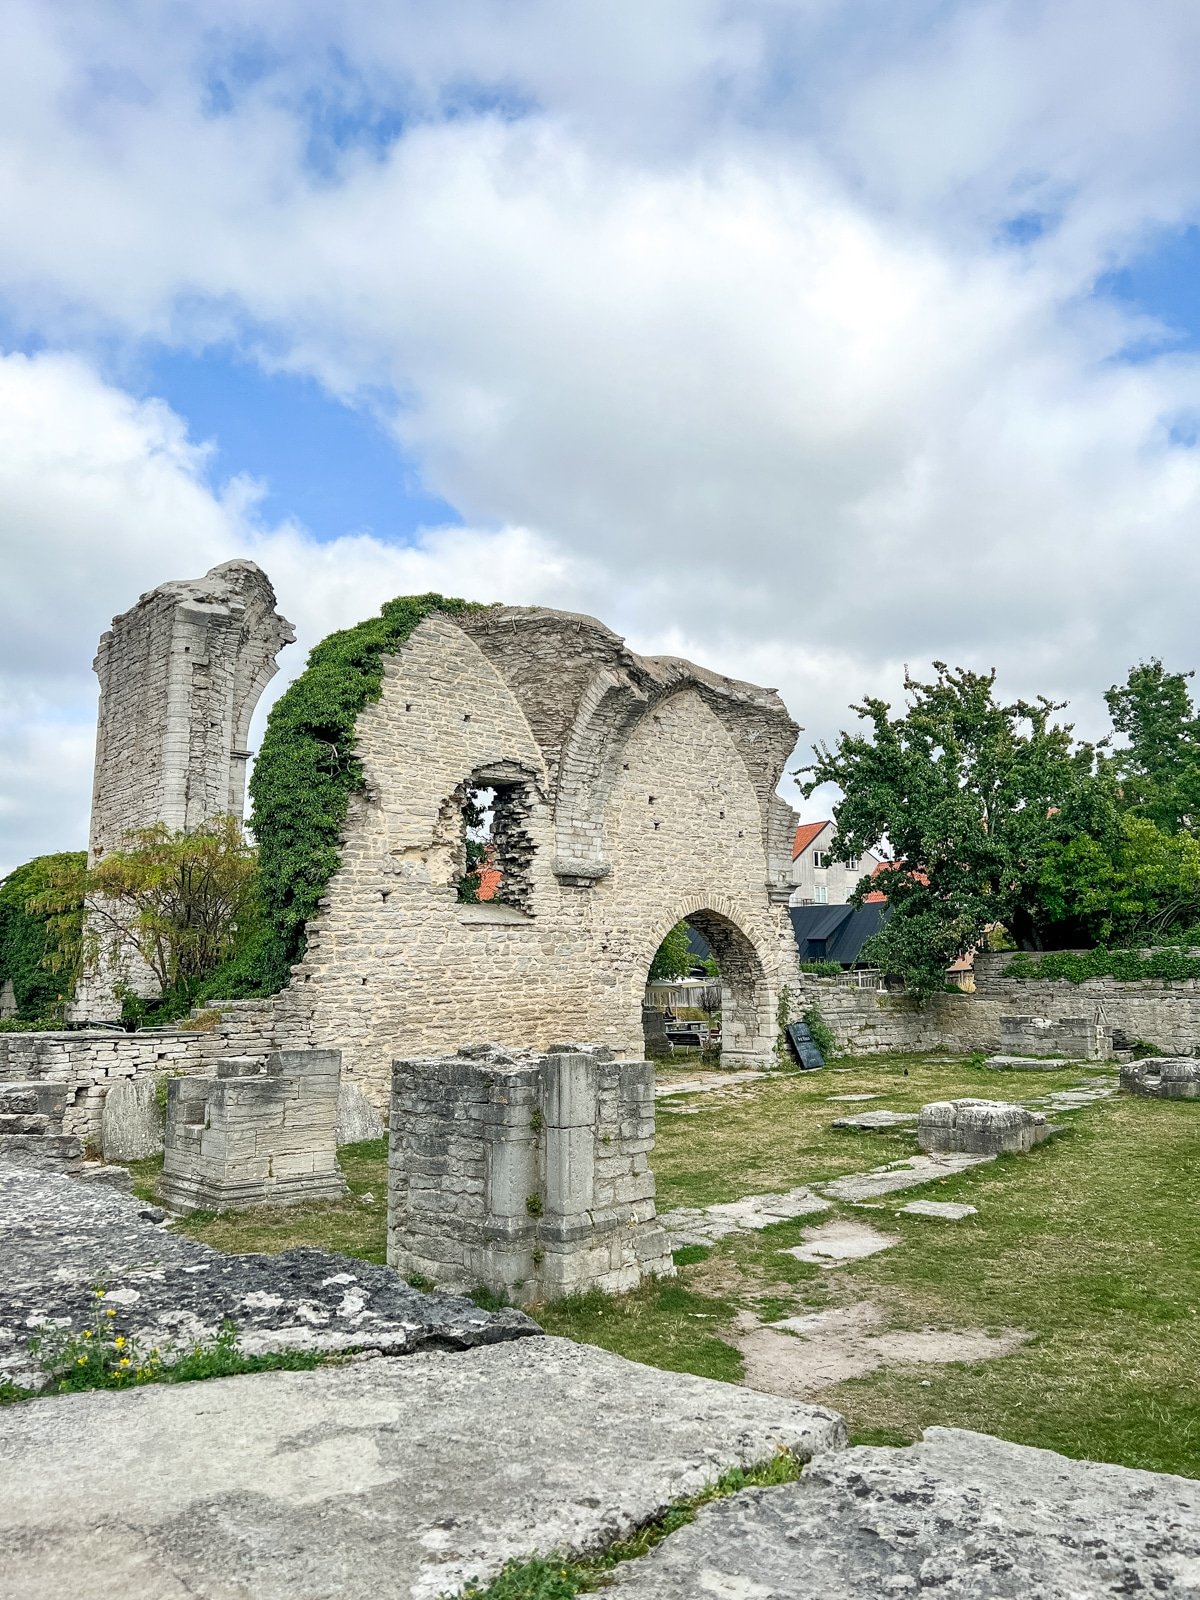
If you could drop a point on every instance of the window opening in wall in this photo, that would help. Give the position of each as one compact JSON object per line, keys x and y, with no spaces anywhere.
{"x":497,"y":846}
{"x":820,"y":859}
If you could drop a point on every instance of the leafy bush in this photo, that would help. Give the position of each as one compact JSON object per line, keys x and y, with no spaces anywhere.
{"x":822,"y":1033}
{"x":39,"y":950}
{"x":1171,"y":963}
{"x":822,"y":969}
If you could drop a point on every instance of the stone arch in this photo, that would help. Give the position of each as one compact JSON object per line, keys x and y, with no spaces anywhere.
{"x":749,"y":992}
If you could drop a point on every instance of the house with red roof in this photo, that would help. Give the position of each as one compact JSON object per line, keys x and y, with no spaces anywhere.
{"x":819,"y":879}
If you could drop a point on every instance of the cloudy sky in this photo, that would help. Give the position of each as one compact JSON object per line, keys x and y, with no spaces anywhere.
{"x":804,"y":337}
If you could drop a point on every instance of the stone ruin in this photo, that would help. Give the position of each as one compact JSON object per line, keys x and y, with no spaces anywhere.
{"x":980,"y":1127}
{"x":257,"y":1133}
{"x":1163,"y":1077}
{"x":526,"y":1171}
{"x":1072,"y":1038}
{"x":180,"y":675}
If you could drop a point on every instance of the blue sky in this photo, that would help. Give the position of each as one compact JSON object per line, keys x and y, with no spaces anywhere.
{"x":806,"y":340}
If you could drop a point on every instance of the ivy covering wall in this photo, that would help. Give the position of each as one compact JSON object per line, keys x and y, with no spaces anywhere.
{"x":28,"y":937}
{"x":306,"y":771}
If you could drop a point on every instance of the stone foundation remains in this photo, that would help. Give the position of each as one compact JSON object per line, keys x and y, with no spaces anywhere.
{"x":524,"y":1171}
{"x":1072,"y":1038}
{"x":1163,"y":1077}
{"x":980,"y":1127}
{"x":255,"y":1134}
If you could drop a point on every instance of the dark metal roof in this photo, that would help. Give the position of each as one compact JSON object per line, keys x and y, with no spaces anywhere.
{"x":835,"y":933}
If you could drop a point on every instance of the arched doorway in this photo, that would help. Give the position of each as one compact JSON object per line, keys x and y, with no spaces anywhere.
{"x":747,"y":998}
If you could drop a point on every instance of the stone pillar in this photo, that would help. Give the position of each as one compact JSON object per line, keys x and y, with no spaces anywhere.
{"x":525,"y":1173}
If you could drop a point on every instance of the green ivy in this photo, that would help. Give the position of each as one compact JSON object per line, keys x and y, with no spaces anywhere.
{"x":1127,"y":966}
{"x":27,"y":938}
{"x":306,"y":771}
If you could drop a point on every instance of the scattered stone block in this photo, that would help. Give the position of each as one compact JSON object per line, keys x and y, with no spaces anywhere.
{"x":256,"y":1133}
{"x":357,"y":1118}
{"x":1163,"y":1077}
{"x":134,"y":1123}
{"x":980,"y":1127}
{"x":46,"y":1152}
{"x":958,"y":1514}
{"x":876,"y":1121}
{"x":947,"y":1210}
{"x":1075,"y":1038}
{"x":857,"y":1187}
{"x":834,"y":1242}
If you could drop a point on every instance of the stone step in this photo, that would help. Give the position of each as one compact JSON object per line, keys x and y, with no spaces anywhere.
{"x":27,"y":1122}
{"x":53,"y":1152}
{"x":33,"y":1097}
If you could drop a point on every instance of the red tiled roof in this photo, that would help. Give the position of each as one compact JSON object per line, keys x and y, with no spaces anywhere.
{"x":489,"y":882}
{"x":890,"y":866}
{"x":805,"y":834}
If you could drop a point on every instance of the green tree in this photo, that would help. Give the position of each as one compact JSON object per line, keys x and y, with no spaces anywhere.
{"x":1159,"y":765}
{"x":179,"y":903}
{"x":39,"y":951}
{"x":673,"y":958}
{"x":979,"y":802}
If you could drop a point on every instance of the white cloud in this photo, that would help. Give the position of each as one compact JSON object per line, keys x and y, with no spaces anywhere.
{"x":715,"y":342}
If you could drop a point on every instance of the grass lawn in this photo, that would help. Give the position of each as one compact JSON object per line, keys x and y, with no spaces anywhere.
{"x":1091,"y":1244}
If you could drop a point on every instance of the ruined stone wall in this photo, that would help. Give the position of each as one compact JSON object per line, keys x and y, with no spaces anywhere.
{"x":180,"y":675}
{"x":88,"y":1063}
{"x":1166,"y":1014}
{"x":395,"y":966}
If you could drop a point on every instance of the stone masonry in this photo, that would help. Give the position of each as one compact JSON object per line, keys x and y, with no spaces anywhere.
{"x":255,"y":1134}
{"x":980,"y":1127}
{"x":524,"y":1171}
{"x":1163,"y":1077}
{"x":180,"y":675}
{"x":1086,"y":1038}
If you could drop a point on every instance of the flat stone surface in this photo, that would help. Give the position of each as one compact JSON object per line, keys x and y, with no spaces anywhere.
{"x":800,"y":1356}
{"x":60,"y":1239}
{"x":853,"y":1097}
{"x":1027,"y":1063}
{"x":381,"y":1478}
{"x":841,"y":1240}
{"x":875,"y":1121}
{"x":980,"y":1127}
{"x":702,"y":1083}
{"x":897,"y":1175}
{"x":959,"y":1515}
{"x":947,"y":1210}
{"x":691,"y":1225}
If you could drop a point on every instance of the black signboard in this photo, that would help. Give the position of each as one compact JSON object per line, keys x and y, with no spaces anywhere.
{"x":804,"y":1046}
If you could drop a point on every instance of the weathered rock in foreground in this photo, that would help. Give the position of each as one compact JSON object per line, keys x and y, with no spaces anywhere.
{"x":133,"y":1121}
{"x":1163,"y":1077}
{"x":62,"y":1239}
{"x":959,"y":1515}
{"x":876,"y":1121}
{"x":357,"y":1118}
{"x":980,"y":1127}
{"x":382,"y":1478}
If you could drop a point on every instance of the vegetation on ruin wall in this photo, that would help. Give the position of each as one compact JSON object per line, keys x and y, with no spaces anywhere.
{"x":306,"y":771}
{"x":28,"y":938}
{"x":1127,"y":966}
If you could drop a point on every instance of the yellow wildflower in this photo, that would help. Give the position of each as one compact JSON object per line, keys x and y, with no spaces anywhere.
{"x":110,"y":1313}
{"x":81,"y":1362}
{"x":99,"y":1294}
{"x":119,"y":1342}
{"x":87,"y":1333}
{"x":124,"y":1361}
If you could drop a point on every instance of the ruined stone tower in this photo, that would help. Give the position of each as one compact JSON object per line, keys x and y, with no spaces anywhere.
{"x":180,"y":675}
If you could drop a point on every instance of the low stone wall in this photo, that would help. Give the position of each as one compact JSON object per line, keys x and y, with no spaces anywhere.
{"x":524,"y":1171}
{"x":88,"y":1062}
{"x":255,"y":1133}
{"x":1083,"y":1020}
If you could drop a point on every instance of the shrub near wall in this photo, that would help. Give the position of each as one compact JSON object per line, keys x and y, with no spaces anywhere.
{"x":27,"y":938}
{"x":1126,"y":966}
{"x":306,"y":772}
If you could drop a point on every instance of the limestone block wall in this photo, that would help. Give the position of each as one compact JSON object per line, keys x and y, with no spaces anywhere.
{"x":528,"y":1173}
{"x":256,"y":1133}
{"x":397,"y":967}
{"x":87,"y":1063}
{"x":1082,"y":1038}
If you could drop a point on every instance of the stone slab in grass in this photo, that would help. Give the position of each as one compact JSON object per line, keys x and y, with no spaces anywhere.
{"x":695,"y":1225}
{"x":841,"y":1240}
{"x":959,"y":1514}
{"x":876,"y":1121}
{"x":133,"y":1121}
{"x":1028,"y":1063}
{"x":357,"y":1118}
{"x":992,"y":1127}
{"x":62,"y":1239}
{"x":853,"y":1097}
{"x":401,"y":1478}
{"x":946,"y":1210}
{"x":899,"y":1175}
